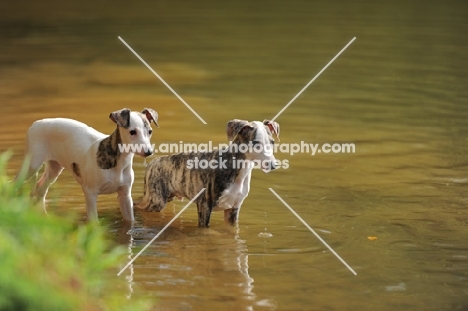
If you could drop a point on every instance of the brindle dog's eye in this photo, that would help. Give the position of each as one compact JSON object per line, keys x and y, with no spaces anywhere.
{"x":133,"y":132}
{"x":150,"y":132}
{"x":255,"y":142}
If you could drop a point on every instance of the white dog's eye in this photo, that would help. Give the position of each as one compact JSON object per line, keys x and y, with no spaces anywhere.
{"x":150,"y":132}
{"x":272,"y":142}
{"x":133,"y":132}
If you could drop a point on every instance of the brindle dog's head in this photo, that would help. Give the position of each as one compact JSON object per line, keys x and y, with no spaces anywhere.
{"x":258,"y":136}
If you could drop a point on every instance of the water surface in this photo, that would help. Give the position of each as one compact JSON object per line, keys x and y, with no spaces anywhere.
{"x":398,"y":92}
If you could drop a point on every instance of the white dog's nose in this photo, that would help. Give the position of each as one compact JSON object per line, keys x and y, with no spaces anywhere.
{"x":148,"y":152}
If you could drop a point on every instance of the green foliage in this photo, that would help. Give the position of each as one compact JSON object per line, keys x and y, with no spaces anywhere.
{"x":51,"y":263}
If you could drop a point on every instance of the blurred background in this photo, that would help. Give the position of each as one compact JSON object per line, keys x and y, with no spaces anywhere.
{"x":398,"y":93}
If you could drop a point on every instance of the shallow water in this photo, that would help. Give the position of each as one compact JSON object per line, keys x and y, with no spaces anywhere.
{"x":398,"y":93}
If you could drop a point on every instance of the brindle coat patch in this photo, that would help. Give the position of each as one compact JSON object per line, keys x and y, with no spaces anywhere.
{"x":108,"y":151}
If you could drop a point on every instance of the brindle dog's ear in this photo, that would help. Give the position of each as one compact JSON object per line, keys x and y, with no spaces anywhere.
{"x":121,"y":117}
{"x":244,"y":132}
{"x":151,"y":115}
{"x":233,"y":127}
{"x":273,"y":127}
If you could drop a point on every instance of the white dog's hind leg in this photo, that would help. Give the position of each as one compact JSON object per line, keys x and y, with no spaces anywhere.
{"x":126,"y":203}
{"x":26,"y":172}
{"x":51,"y":172}
{"x":32,"y":162}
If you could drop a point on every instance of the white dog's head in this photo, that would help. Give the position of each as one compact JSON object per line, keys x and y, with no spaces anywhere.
{"x":135,"y":129}
{"x":258,"y":137}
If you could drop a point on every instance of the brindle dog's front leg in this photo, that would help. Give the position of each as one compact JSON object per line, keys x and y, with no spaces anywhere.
{"x":204,"y":212}
{"x":231,"y":215}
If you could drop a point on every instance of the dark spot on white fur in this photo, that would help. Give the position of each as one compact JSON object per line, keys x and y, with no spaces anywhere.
{"x":76,"y":169}
{"x":108,"y":152}
{"x":125,"y":114}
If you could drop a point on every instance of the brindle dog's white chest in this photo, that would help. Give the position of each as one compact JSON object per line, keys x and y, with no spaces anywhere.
{"x":232,"y":196}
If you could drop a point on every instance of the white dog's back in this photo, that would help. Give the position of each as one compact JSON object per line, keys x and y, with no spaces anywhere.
{"x":51,"y":135}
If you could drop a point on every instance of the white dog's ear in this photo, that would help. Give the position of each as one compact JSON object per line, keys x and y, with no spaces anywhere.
{"x":151,"y":115}
{"x":273,"y":127}
{"x":121,"y":117}
{"x":233,"y":127}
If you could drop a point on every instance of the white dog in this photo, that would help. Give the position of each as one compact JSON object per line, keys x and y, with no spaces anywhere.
{"x":97,"y":161}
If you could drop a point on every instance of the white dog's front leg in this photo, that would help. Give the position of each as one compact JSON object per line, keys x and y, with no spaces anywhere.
{"x":126,"y":203}
{"x":91,"y":199}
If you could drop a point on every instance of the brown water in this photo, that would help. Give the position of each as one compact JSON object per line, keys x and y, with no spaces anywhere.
{"x":399,"y":92}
